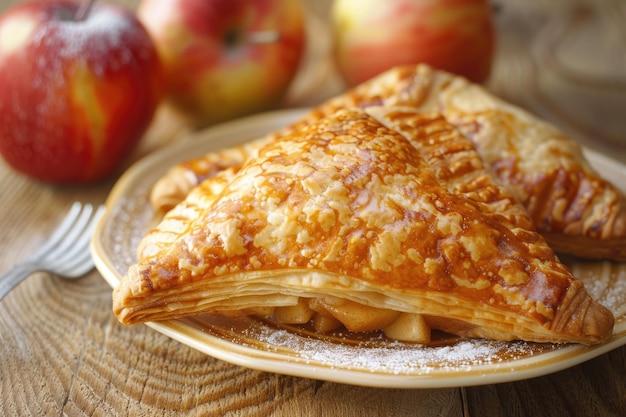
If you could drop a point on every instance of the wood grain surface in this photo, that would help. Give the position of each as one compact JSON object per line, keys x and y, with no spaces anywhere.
{"x":62,"y":352}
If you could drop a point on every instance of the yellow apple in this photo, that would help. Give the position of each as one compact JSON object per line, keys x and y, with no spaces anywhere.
{"x":226,"y":58}
{"x":371,"y":36}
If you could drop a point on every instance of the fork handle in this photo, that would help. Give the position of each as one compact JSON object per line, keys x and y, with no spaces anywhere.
{"x":14,"y":276}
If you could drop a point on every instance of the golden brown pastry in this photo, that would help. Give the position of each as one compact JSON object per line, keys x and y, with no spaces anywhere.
{"x":174,"y":186}
{"x":346,"y":222}
{"x":454,"y":160}
{"x":575,"y":209}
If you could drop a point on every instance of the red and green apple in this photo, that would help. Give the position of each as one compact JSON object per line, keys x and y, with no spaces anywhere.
{"x":226,"y":58}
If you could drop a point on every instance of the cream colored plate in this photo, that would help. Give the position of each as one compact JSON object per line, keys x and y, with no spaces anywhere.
{"x":345,"y":358}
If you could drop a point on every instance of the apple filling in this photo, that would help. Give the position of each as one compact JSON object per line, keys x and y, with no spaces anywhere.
{"x":330,"y":313}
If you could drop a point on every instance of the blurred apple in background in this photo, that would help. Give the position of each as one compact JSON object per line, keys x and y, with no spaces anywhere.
{"x":226,"y":58}
{"x":372,"y":36}
{"x":78,"y":87}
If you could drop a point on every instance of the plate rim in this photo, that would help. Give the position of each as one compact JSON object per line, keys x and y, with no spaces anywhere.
{"x":528,"y":367}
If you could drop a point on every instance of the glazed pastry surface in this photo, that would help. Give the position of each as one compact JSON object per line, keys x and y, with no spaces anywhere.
{"x":375,"y":220}
{"x":571,"y":205}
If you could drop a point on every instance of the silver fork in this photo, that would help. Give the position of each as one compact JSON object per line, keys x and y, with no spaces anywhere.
{"x":66,"y":252}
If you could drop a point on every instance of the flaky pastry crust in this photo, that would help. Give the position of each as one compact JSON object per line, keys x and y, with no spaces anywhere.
{"x":572,"y":206}
{"x":353,"y":217}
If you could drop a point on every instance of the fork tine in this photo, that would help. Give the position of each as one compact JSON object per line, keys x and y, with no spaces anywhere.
{"x":78,"y":251}
{"x":85,"y":239}
{"x":78,"y":266}
{"x":75,"y":231}
{"x":60,"y":231}
{"x":65,"y":253}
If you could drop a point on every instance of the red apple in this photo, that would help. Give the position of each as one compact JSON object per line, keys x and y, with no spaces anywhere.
{"x":372,"y":36}
{"x":76,"y":92}
{"x":226,"y":58}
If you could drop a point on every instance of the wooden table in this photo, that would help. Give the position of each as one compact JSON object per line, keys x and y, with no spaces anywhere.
{"x":63,"y":352}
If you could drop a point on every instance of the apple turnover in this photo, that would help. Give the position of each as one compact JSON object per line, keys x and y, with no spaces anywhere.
{"x":572,"y":206}
{"x":346,"y":222}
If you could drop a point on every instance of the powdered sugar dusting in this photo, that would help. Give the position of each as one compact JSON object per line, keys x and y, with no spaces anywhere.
{"x":124,"y":241}
{"x":391,"y":357}
{"x":606,"y":283}
{"x":91,"y":39}
{"x":105,"y":25}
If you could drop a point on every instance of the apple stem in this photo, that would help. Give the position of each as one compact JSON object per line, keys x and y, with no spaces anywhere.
{"x":265,"y":36}
{"x":83,"y":10}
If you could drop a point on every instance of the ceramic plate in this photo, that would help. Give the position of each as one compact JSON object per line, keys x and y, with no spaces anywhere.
{"x":340,"y":357}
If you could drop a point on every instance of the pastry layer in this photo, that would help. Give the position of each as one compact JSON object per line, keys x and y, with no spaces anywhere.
{"x":351,"y":209}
